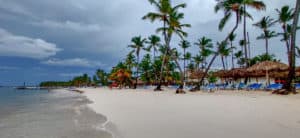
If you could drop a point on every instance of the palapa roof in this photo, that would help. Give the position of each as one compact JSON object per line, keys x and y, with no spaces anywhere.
{"x":235,"y":73}
{"x":268,"y":66}
{"x":196,"y":74}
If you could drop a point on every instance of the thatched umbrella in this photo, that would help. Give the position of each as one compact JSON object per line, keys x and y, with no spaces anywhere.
{"x":267,"y":66}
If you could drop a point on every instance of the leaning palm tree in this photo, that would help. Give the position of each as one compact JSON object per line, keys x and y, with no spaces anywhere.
{"x":291,"y":76}
{"x":154,"y":43}
{"x":229,"y":7}
{"x":254,"y":4}
{"x":285,"y":15}
{"x":137,"y":44}
{"x":184,"y":45}
{"x":264,"y":24}
{"x":170,"y":18}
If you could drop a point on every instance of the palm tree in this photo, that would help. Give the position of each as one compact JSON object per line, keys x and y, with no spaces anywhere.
{"x":257,"y":5}
{"x":187,"y":57}
{"x":264,"y":24}
{"x":231,"y":39}
{"x":198,"y":59}
{"x":175,"y":55}
{"x":163,"y":9}
{"x":154,"y":43}
{"x":229,"y":7}
{"x":285,"y":15}
{"x":291,"y":76}
{"x":171,"y":24}
{"x":137,"y":45}
{"x":205,"y":45}
{"x":224,"y":51}
{"x":239,"y":56}
{"x":102,"y":77}
{"x":176,"y":27}
{"x":146,"y":69}
{"x":130,"y":60}
{"x":184,"y":45}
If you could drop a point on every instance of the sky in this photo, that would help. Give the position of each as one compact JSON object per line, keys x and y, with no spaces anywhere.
{"x":44,"y":40}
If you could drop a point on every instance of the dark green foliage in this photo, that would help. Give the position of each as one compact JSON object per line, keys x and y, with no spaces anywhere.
{"x":102,"y":77}
{"x":78,"y":81}
{"x":261,"y":58}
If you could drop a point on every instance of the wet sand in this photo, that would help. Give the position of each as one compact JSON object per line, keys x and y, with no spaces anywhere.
{"x":54,"y":114}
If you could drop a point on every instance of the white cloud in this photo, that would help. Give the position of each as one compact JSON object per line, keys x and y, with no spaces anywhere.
{"x":75,"y":62}
{"x":70,"y":25}
{"x":21,"y":46}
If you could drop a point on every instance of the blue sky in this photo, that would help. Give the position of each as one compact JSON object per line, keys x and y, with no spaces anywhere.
{"x":57,"y":40}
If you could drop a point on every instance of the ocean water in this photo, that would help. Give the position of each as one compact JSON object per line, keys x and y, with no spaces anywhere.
{"x":48,"y":114}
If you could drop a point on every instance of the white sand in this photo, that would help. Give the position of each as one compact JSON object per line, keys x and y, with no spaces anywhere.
{"x":148,"y":114}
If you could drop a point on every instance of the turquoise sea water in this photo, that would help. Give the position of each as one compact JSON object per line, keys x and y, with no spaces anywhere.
{"x":48,"y":114}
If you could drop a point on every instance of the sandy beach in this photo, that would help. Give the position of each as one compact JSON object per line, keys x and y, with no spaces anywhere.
{"x":147,"y":114}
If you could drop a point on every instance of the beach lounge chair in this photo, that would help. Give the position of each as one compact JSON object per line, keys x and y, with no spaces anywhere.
{"x":210,"y":87}
{"x":174,"y":87}
{"x":188,"y":87}
{"x":241,"y":86}
{"x":223,"y":86}
{"x":254,"y":86}
{"x":274,"y":86}
{"x":297,"y":85}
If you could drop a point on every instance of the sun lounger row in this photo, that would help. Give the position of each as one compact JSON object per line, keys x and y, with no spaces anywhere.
{"x":240,"y":86}
{"x":243,"y":86}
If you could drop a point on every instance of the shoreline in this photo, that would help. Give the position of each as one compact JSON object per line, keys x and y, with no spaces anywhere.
{"x":144,"y":113}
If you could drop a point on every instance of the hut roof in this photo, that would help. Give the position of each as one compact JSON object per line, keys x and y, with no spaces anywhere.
{"x":235,"y":73}
{"x":268,"y":66}
{"x":196,"y":74}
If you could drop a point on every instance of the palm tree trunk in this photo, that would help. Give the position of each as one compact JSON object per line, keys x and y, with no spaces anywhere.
{"x":226,"y":62}
{"x":245,"y":36}
{"x":155,"y":75}
{"x":184,"y":66}
{"x":291,"y":76}
{"x":181,"y":76}
{"x":267,"y":46}
{"x":137,"y":71}
{"x":153,"y":55}
{"x":223,"y":63}
{"x":249,"y":49}
{"x":232,"y":55}
{"x":208,"y":68}
{"x":158,"y":88}
{"x":286,"y":41}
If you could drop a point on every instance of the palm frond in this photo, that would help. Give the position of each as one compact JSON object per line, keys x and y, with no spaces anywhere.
{"x":223,"y":21}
